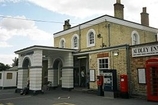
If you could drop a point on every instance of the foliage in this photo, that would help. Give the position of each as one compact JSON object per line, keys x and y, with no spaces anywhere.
{"x":15,"y":62}
{"x":4,"y":67}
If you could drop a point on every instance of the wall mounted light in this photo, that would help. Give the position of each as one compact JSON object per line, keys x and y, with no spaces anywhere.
{"x":116,"y":52}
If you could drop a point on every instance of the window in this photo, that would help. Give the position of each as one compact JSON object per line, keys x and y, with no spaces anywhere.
{"x":135,"y":38}
{"x":0,"y":75}
{"x":74,"y":41}
{"x":91,"y":38}
{"x":103,"y":63}
{"x":9,"y":75}
{"x":62,"y":43}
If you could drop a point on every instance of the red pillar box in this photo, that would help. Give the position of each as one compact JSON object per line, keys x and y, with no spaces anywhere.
{"x":100,"y":80}
{"x":124,"y":86}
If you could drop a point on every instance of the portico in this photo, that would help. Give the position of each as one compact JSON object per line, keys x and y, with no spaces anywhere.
{"x":40,"y":64}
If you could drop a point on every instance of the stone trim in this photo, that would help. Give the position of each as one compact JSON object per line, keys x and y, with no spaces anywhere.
{"x":68,"y":67}
{"x":31,"y":67}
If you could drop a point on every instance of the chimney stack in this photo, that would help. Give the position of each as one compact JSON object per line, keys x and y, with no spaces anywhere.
{"x":118,"y":9}
{"x":144,"y":17}
{"x":66,"y":25}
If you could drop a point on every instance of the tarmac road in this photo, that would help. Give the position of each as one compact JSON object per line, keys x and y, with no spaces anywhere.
{"x":62,"y":97}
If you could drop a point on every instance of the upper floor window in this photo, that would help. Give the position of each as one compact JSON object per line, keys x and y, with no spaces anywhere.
{"x":62,"y":43}
{"x":135,"y":38}
{"x":91,"y":38}
{"x":74,"y":41}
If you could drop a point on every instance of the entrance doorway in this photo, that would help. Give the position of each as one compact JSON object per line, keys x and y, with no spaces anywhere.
{"x":26,"y":66}
{"x":80,"y":72}
{"x":57,"y":66}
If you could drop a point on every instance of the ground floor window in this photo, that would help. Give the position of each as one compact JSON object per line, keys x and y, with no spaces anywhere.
{"x":103,"y":63}
{"x":9,"y":75}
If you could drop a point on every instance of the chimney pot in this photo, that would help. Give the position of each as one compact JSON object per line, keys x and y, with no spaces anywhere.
{"x":118,"y":9}
{"x":144,"y":9}
{"x":66,"y":25}
{"x":118,"y":1}
{"x":144,"y":17}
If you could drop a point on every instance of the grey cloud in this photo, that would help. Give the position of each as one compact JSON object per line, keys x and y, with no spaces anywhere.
{"x":15,"y":23}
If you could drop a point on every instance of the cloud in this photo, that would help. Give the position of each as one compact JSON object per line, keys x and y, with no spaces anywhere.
{"x":19,"y":26}
{"x":7,"y":58}
{"x":4,"y":44}
{"x":87,"y":8}
{"x":17,"y":22}
{"x":76,"y":8}
{"x":14,"y":1}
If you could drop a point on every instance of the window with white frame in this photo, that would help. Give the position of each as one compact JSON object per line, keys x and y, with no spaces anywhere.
{"x":74,"y":41}
{"x":103,"y":63}
{"x":135,"y":38}
{"x":62,"y":43}
{"x":91,"y":38}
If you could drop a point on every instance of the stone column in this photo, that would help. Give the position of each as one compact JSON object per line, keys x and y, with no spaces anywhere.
{"x":67,"y":72}
{"x":36,"y":72}
{"x":22,"y":74}
{"x":22,"y":78}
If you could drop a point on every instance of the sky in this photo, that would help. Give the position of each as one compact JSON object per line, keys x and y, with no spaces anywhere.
{"x":25,"y":23}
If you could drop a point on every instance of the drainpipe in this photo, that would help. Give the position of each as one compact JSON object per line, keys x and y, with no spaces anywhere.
{"x":128,"y":69}
{"x":109,"y":34}
{"x":79,"y":32}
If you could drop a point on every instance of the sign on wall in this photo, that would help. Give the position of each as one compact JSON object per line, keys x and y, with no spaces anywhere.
{"x":141,"y":76}
{"x":92,"y":75}
{"x":145,"y":51}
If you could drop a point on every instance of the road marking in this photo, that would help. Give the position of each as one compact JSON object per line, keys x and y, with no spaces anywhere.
{"x":14,"y":98}
{"x":64,"y":104}
{"x":64,"y":97}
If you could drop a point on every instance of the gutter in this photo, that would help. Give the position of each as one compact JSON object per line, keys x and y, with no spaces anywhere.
{"x":128,"y":68}
{"x":99,"y":50}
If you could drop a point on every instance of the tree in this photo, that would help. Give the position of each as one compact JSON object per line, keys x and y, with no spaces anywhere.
{"x":4,"y":67}
{"x":15,"y":62}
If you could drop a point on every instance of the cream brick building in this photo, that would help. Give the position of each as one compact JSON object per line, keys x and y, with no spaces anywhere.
{"x":102,"y":43}
{"x":101,"y":37}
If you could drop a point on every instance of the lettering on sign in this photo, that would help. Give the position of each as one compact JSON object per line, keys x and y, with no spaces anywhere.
{"x":145,"y":51}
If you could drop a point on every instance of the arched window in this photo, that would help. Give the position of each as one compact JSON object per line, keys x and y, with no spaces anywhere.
{"x":75,"y":41}
{"x":135,"y":38}
{"x":91,"y":38}
{"x":62,"y":43}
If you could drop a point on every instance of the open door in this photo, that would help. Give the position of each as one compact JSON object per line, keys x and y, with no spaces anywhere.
{"x":152,"y":79}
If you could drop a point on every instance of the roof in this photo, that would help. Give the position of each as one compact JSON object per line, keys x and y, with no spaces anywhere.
{"x":15,"y":68}
{"x":38,"y":47}
{"x":106,"y":18}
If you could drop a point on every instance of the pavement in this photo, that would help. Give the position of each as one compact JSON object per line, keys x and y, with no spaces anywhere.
{"x":63,"y":97}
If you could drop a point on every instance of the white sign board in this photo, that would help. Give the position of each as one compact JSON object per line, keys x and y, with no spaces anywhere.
{"x":145,"y":51}
{"x":92,"y":75}
{"x":141,"y":76}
